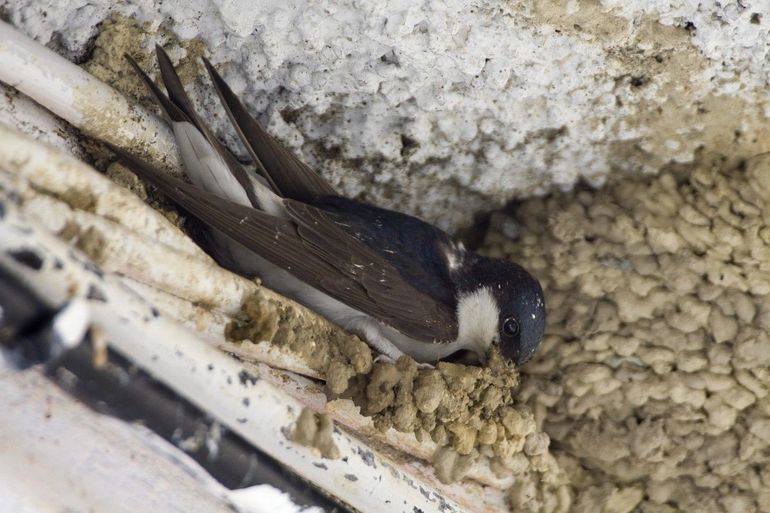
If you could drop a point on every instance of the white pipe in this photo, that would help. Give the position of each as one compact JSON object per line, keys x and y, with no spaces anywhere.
{"x":59,"y":173}
{"x":210,"y":325}
{"x":137,"y":256}
{"x":244,"y":398}
{"x":84,"y":101}
{"x":75,"y":444}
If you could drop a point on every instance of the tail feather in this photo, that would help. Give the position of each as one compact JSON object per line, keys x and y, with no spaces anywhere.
{"x":219,"y":171}
{"x":206,"y":168}
{"x":176,"y":92}
{"x":169,"y":108}
{"x":208,"y":164}
{"x":288,"y":176}
{"x":178,"y":96}
{"x":240,"y":120}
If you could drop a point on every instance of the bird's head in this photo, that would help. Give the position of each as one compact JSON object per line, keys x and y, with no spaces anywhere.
{"x":501,"y":304}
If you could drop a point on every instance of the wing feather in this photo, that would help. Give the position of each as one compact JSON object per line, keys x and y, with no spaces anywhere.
{"x":314,"y":247}
{"x":178,"y":108}
{"x":289,"y":175}
{"x":397,"y":302}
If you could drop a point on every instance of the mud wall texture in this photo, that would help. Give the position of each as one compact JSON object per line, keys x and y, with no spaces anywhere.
{"x":654,"y":376}
{"x":446,"y":109}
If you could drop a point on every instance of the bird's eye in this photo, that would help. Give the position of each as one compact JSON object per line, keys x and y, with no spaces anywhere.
{"x":511,"y":327}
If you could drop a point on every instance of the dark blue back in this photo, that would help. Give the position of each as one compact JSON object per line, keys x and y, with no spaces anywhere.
{"x":411,"y":245}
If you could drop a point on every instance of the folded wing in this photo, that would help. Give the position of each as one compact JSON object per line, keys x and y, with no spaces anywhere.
{"x":313,"y":247}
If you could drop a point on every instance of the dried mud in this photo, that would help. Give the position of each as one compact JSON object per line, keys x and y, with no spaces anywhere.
{"x":653,"y":377}
{"x":470,"y":412}
{"x":315,"y":431}
{"x":119,"y":36}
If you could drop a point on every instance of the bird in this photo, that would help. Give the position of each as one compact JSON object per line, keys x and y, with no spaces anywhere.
{"x":402,"y":284}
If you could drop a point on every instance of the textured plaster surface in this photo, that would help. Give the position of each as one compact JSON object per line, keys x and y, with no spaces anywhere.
{"x":447,"y":109}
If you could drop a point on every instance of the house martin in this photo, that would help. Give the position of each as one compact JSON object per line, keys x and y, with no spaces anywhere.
{"x":402,"y":284}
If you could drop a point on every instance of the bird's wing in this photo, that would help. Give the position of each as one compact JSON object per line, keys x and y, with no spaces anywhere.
{"x":382,"y":291}
{"x":289,"y":176}
{"x":312,"y":246}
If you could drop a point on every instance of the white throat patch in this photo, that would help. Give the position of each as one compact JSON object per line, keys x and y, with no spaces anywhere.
{"x":477,"y":318}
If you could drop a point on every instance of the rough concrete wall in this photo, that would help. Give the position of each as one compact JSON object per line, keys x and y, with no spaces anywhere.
{"x":446,"y":109}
